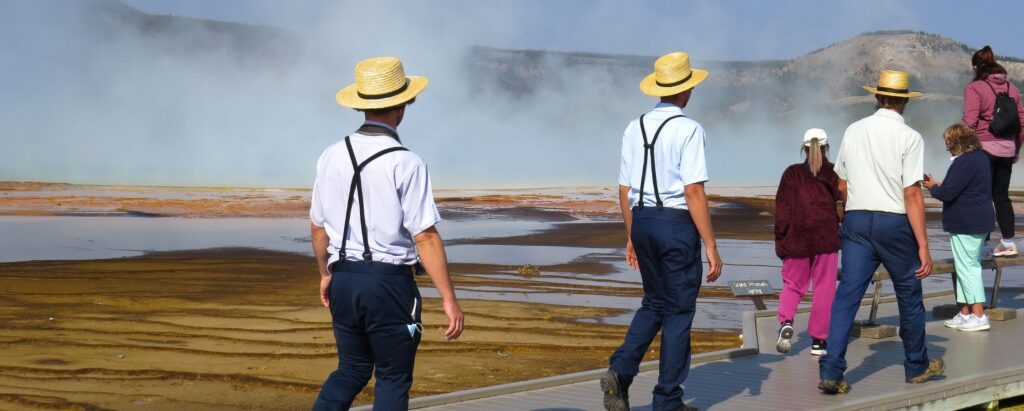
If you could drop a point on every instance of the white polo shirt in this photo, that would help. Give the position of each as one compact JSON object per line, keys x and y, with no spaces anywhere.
{"x":879,"y":157}
{"x":397,"y":195}
{"x":679,"y":157}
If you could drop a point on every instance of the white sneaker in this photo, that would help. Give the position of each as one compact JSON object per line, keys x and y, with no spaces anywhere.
{"x":957,"y":319}
{"x":975,"y":323}
{"x":1005,"y":249}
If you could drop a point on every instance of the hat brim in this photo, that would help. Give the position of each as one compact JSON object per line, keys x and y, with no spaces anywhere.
{"x":650,"y":87}
{"x":911,"y":94}
{"x":349,"y":96}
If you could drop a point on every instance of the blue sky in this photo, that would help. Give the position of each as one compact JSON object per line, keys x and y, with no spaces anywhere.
{"x":741,"y":30}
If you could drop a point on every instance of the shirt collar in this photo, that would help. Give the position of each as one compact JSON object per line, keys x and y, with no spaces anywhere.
{"x":379,"y":124}
{"x":668,"y":107}
{"x":884,"y":112}
{"x":385,"y":126}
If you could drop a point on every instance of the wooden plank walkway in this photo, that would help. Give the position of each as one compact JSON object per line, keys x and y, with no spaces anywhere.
{"x":979,"y":367}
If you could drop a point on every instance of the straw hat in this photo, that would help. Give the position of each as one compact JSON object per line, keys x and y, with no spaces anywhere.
{"x":380,"y":83}
{"x":672,"y":75}
{"x":815,"y":133}
{"x":893,"y":83}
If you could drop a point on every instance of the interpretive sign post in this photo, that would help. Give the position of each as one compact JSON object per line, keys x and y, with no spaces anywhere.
{"x":755,"y":289}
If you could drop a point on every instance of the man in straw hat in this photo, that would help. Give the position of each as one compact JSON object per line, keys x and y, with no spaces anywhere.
{"x":367,"y":254}
{"x":880,"y":166}
{"x":661,"y":193}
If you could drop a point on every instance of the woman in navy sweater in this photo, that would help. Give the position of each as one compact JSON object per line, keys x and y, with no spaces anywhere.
{"x":968,"y":217}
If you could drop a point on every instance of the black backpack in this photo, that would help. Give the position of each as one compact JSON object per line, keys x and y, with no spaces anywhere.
{"x":1005,"y":119}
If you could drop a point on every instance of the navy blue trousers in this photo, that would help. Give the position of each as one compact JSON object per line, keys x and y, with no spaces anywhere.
{"x":668,"y":249}
{"x":869,"y":239}
{"x":372,"y":306}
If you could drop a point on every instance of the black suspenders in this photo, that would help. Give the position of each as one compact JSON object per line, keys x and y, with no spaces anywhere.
{"x":649,"y":150}
{"x":357,"y":189}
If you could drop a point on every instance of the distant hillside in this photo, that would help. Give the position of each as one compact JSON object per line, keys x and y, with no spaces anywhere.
{"x":248,"y":43}
{"x":938,"y":65}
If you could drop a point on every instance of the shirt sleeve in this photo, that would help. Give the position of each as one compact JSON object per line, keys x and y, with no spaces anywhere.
{"x":913,"y":161}
{"x":316,"y":209}
{"x":957,"y":180}
{"x":840,"y":165}
{"x":783,"y":198}
{"x":972,"y":107}
{"x":626,"y":162}
{"x":694,"y":168}
{"x":417,"y":197}
{"x":1020,"y":114}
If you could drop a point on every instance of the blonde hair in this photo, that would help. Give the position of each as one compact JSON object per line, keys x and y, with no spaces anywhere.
{"x":960,"y":139}
{"x":816,"y":154}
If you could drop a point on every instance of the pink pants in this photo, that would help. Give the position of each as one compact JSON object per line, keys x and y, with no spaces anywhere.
{"x":797,"y":274}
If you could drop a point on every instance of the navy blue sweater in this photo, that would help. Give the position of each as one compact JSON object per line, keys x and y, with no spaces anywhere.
{"x":966,"y":195}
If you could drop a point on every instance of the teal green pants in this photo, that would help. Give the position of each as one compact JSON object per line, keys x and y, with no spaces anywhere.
{"x":967,"y":260}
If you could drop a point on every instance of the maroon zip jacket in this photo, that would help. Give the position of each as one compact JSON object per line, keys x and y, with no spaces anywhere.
{"x":806,"y":221}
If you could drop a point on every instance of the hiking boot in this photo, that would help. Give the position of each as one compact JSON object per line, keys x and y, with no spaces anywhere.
{"x":975,"y":323}
{"x":818,"y":347}
{"x":935,"y":368}
{"x":784,"y":344}
{"x":1006,"y":248}
{"x":955,"y":322}
{"x":833,"y":387}
{"x":616,"y":393}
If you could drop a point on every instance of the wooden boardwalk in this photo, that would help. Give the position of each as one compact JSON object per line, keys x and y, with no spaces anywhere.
{"x":979,"y":367}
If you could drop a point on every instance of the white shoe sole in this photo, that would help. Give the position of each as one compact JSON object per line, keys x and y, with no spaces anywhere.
{"x":978,"y":328}
{"x":785,"y":343}
{"x":952,"y":325}
{"x":819,"y":352}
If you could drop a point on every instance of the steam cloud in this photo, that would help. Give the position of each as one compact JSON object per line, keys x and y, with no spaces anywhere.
{"x":92,"y":96}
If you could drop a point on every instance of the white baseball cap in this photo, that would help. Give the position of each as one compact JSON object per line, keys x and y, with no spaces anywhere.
{"x":815,"y":133}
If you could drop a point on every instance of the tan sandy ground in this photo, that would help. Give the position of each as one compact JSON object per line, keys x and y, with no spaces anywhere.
{"x":242,"y":329}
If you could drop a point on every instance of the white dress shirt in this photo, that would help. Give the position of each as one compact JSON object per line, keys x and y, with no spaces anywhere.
{"x":879,"y":157}
{"x":398,"y":200}
{"x":679,"y":157}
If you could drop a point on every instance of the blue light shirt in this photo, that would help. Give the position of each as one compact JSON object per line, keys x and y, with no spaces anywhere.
{"x":679,"y":157}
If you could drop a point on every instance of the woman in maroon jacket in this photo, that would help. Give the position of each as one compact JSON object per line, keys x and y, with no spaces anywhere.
{"x":979,"y":103}
{"x":807,"y":240}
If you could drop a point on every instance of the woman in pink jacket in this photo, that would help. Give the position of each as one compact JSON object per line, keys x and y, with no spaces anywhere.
{"x":979,"y":103}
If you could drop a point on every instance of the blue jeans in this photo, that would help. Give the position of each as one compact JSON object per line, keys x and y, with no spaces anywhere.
{"x":868,"y":239}
{"x":372,"y":305}
{"x":668,"y":249}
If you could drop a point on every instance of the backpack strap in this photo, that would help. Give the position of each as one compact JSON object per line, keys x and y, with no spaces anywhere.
{"x":356,"y":189}
{"x":649,"y":150}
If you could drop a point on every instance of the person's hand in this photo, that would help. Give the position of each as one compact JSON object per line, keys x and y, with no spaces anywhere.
{"x":926,"y":264}
{"x":631,"y":256}
{"x":714,"y":263}
{"x":456,"y":321}
{"x":325,"y":287}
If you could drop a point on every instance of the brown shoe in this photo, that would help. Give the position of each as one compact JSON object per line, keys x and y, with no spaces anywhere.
{"x":833,"y":387}
{"x":935,"y":368}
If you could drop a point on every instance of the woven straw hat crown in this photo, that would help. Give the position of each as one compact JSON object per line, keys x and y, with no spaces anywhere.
{"x":380,"y":83}
{"x":672,"y":67}
{"x":378,"y":76}
{"x":672,"y":75}
{"x":893,"y":83}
